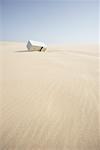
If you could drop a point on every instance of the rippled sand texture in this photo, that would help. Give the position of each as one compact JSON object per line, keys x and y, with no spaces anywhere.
{"x":49,"y":101}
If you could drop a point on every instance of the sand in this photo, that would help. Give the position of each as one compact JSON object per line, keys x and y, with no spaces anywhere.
{"x":49,"y":100}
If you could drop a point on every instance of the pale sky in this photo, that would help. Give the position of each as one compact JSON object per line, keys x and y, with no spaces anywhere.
{"x":51,"y":21}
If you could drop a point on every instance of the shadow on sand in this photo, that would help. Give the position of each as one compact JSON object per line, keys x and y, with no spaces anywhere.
{"x":33,"y":51}
{"x":24,"y":51}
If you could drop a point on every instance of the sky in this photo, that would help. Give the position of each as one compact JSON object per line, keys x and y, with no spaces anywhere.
{"x":51,"y":21}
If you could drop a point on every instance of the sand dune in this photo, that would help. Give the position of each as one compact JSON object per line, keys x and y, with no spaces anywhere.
{"x":49,"y":101}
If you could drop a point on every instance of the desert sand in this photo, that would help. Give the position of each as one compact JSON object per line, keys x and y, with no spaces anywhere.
{"x":49,"y":100}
